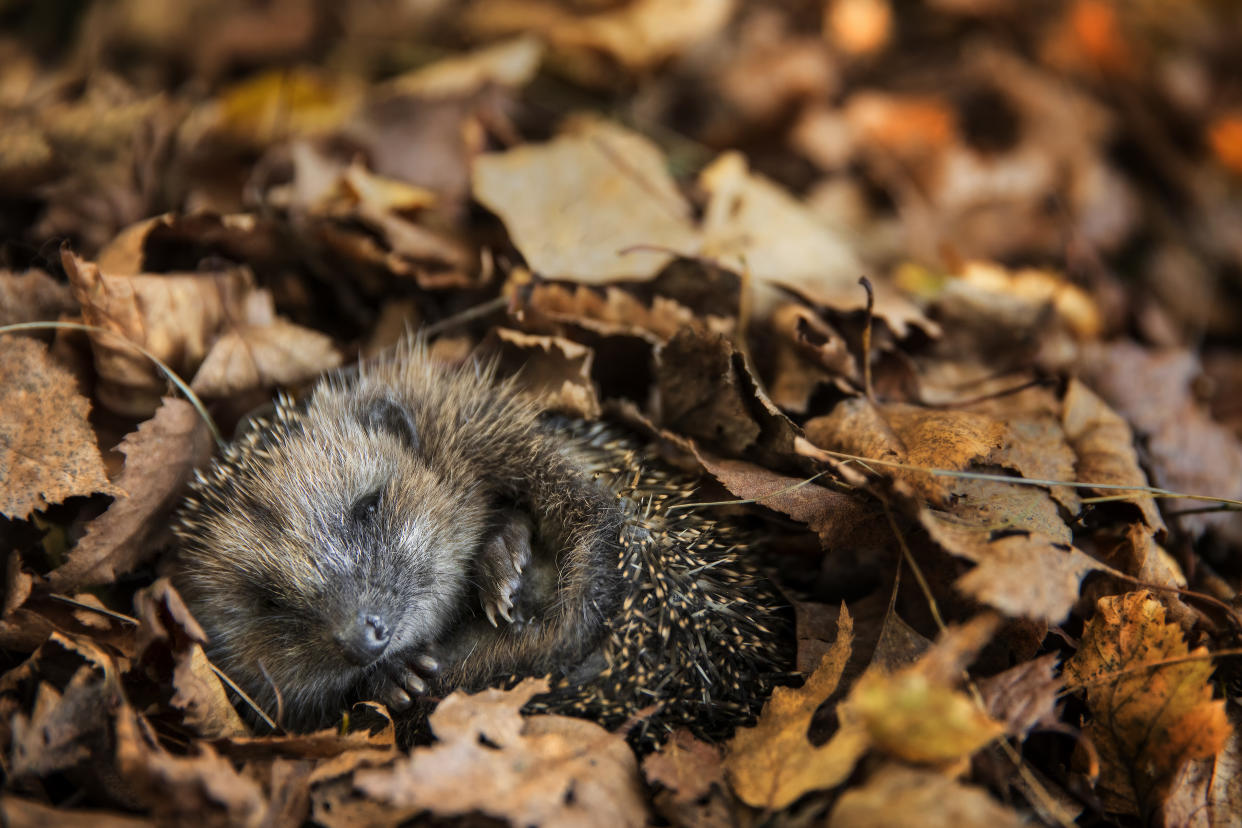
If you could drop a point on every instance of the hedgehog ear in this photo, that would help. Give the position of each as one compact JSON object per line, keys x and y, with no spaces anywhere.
{"x":386,"y":414}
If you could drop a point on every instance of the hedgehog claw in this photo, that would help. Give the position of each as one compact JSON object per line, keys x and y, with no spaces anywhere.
{"x":501,"y":564}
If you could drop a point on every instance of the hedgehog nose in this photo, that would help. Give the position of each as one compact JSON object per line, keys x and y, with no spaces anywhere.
{"x":364,"y":639}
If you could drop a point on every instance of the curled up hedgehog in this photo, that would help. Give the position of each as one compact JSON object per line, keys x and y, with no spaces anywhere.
{"x":416,"y":528}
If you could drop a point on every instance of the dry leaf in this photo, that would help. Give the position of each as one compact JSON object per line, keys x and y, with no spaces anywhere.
{"x":16,"y":812}
{"x":168,"y":628}
{"x":508,"y":63}
{"x":757,"y":228}
{"x":897,"y":795}
{"x":555,"y":370}
{"x":1207,"y":793}
{"x":686,"y":766}
{"x":159,"y":458}
{"x":274,"y":353}
{"x":1024,"y":697}
{"x":773,"y":763}
{"x":47,"y":446}
{"x":573,"y":205}
{"x":1148,"y":722}
{"x":32,"y":296}
{"x":637,"y":34}
{"x":541,"y":770}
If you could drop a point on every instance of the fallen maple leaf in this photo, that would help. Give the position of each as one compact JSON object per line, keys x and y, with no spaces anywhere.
{"x":1148,"y":722}
{"x":556,"y":370}
{"x":47,"y":447}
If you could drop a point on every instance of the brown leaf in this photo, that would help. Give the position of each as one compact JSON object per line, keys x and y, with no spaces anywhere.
{"x":832,"y":515}
{"x":1015,"y":533}
{"x":32,"y":296}
{"x":1207,"y":793}
{"x":508,"y":63}
{"x":1024,"y":697}
{"x":707,"y":392}
{"x":574,"y":204}
{"x":542,"y":770}
{"x":275,"y":352}
{"x":174,"y":316}
{"x":201,"y":788}
{"x":756,"y":227}
{"x":47,"y":446}
{"x":555,"y":370}
{"x":1148,"y":722}
{"x":169,"y":632}
{"x":371,"y":733}
{"x":67,"y":723}
{"x":895,"y":795}
{"x":773,"y":763}
{"x":637,"y":34}
{"x":686,"y":766}
{"x":16,"y":812}
{"x":159,"y":458}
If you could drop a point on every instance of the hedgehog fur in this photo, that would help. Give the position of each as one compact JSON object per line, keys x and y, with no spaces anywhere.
{"x":415,"y":528}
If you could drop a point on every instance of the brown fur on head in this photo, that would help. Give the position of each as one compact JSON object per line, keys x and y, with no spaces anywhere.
{"x":371,"y":498}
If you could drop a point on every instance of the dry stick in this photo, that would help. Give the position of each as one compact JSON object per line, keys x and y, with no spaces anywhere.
{"x":220,"y":674}
{"x":172,"y":375}
{"x":866,"y":343}
{"x":1036,"y":787}
{"x":119,"y":616}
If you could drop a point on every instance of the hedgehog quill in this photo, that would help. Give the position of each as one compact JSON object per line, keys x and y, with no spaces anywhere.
{"x":417,"y":528}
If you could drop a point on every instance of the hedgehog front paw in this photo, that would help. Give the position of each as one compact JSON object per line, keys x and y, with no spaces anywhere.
{"x":501,"y":563}
{"x":403,"y":679}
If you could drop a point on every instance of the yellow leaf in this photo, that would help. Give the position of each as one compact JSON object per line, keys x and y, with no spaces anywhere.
{"x":1149,"y":722}
{"x":772,"y":764}
{"x":911,"y":717}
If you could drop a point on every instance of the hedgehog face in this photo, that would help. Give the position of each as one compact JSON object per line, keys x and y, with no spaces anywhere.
{"x":313,"y":555}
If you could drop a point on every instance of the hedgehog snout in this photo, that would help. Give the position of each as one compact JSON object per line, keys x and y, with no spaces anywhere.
{"x":363,"y":638}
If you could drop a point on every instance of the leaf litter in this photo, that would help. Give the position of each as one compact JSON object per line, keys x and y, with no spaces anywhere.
{"x":999,"y":487}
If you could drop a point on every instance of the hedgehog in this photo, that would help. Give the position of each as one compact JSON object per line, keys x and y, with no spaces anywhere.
{"x":412,"y":528}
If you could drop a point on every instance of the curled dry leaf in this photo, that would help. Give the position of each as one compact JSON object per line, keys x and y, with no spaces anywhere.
{"x":707,"y":392}
{"x":47,"y":447}
{"x":1208,"y":792}
{"x":271,"y":353}
{"x":575,"y":205}
{"x":168,"y":630}
{"x":541,"y":770}
{"x":1148,"y":719}
{"x":916,"y":713}
{"x":159,"y":458}
{"x":67,"y":723}
{"x":894,"y":794}
{"x":556,"y":371}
